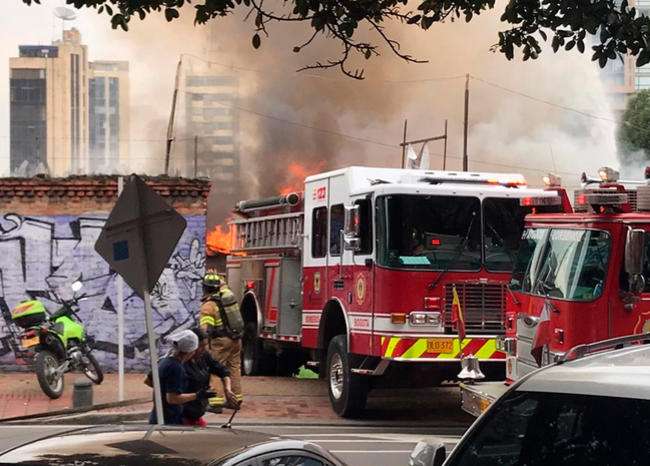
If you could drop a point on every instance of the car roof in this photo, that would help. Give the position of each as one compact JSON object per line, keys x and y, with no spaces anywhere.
{"x":623,"y":373}
{"x":125,"y":445}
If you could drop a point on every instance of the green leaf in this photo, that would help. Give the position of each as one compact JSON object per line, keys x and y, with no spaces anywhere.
{"x":257,"y":41}
{"x":581,"y":45}
{"x":170,"y":14}
{"x":413,"y":19}
{"x":643,"y":58}
{"x":543,"y":34}
{"x":569,"y":45}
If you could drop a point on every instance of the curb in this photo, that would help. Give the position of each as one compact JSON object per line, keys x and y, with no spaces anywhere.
{"x":72,"y":411}
{"x":141,"y":417}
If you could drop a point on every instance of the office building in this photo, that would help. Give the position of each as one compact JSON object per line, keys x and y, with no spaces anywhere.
{"x":60,"y":103}
{"x":49,"y":106}
{"x":211,"y":126}
{"x":108,"y":122}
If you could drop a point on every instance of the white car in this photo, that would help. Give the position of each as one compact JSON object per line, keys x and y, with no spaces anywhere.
{"x":590,"y":409}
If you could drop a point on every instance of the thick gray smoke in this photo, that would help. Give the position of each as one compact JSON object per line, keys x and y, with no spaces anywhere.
{"x":331,"y":121}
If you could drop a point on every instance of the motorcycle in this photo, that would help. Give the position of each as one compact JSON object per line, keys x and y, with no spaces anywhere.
{"x":58,"y":342}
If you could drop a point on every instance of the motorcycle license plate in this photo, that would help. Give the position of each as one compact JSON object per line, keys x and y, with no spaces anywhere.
{"x":29,"y":342}
{"x":440,"y":345}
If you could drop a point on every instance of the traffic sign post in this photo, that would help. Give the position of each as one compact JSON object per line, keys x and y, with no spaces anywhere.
{"x":137,"y":241}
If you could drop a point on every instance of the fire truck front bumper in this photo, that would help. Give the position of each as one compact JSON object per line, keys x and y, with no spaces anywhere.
{"x":440,"y":348}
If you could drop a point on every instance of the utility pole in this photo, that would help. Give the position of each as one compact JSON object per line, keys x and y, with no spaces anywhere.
{"x":444,"y":152}
{"x":196,"y":154}
{"x":465,"y":168}
{"x":404,"y":145}
{"x":170,"y":126}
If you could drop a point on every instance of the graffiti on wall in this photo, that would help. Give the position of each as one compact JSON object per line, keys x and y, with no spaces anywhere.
{"x":40,"y":258}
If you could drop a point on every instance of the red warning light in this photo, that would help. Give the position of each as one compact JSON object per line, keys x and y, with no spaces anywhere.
{"x":435,"y":242}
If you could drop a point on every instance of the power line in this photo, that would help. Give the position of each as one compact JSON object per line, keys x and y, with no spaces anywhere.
{"x":542,"y":101}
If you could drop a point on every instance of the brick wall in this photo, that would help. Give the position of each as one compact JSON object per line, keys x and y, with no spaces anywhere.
{"x":48,"y":228}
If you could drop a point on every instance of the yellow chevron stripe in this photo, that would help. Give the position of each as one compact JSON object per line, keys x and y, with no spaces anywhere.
{"x":391,"y":346}
{"x":416,"y":350}
{"x":487,"y":350}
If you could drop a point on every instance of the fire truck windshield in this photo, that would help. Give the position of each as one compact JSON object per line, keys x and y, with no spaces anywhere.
{"x":444,"y":232}
{"x":562,"y":263}
{"x":434,"y":232}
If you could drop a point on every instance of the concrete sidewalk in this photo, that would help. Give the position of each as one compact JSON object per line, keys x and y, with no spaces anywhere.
{"x":267,"y":399}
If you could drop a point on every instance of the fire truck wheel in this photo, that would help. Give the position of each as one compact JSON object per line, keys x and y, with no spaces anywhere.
{"x":348,"y":392}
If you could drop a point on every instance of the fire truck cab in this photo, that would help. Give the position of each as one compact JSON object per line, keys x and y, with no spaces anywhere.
{"x":587,"y":274}
{"x":355,"y":276}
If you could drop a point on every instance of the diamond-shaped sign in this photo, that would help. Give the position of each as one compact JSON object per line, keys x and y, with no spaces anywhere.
{"x":140,"y":235}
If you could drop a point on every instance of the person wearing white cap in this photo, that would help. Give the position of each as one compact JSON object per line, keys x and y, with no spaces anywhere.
{"x":172,"y":378}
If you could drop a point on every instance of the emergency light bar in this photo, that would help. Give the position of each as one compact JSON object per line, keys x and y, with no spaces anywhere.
{"x":540,"y":201}
{"x":613,"y":198}
{"x":552,"y":181}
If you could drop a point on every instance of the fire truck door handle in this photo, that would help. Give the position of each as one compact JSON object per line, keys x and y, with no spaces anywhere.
{"x":349,"y":297}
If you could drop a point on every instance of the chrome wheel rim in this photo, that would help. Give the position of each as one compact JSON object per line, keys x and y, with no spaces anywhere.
{"x":54,"y":380}
{"x":336,"y":376}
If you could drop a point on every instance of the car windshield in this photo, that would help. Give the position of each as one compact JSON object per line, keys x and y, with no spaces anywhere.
{"x":437,"y":232}
{"x":542,"y":429}
{"x":562,"y":263}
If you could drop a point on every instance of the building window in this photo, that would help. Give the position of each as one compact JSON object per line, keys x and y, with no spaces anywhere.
{"x":337,"y":219}
{"x":319,"y":232}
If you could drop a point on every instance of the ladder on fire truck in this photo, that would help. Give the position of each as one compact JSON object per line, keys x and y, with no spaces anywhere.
{"x":273,"y":232}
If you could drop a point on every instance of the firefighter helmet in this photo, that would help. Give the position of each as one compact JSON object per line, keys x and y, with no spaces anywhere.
{"x":212,"y":281}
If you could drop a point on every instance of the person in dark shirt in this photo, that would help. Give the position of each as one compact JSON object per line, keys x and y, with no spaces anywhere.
{"x":198,"y":370}
{"x":173,"y":379}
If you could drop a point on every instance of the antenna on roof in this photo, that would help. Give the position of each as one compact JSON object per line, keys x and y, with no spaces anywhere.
{"x":64,"y":14}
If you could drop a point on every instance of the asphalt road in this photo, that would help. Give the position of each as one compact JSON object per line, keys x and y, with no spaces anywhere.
{"x":356,"y":445}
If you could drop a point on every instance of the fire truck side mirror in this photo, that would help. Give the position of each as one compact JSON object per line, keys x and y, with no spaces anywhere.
{"x":352,"y":228}
{"x":634,"y":259}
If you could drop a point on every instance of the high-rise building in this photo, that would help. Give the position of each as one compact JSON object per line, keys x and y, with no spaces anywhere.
{"x":108,"y":123}
{"x":211,"y":128}
{"x":49,"y":106}
{"x":60,"y":103}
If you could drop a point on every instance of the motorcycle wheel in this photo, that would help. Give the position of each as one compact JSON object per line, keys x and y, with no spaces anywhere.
{"x":92,"y":370}
{"x":46,"y":364}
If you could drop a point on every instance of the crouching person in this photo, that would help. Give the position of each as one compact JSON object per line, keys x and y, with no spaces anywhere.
{"x":173,"y":379}
{"x":198,"y":370}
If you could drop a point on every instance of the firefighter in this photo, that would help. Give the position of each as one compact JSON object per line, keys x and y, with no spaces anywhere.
{"x":221,"y":320}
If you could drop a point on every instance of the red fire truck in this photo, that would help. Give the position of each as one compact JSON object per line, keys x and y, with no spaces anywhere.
{"x":578,"y":278}
{"x":355,"y":276}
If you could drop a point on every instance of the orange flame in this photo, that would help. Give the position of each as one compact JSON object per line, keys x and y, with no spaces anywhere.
{"x":297,"y":174}
{"x":219,"y":240}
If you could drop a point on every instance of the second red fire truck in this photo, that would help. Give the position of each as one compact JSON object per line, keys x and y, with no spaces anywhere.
{"x":355,"y":276}
{"x":579,"y":278}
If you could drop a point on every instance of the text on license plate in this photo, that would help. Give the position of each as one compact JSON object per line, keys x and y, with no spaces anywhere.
{"x":440,"y":345}
{"x":29,"y":342}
